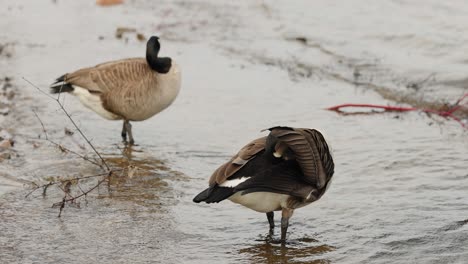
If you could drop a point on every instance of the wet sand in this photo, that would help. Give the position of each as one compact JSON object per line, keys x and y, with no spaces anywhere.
{"x":399,"y":191}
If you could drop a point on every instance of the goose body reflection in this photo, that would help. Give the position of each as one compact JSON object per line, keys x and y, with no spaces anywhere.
{"x":288,"y":169}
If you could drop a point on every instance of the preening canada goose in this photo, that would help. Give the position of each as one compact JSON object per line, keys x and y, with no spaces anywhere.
{"x":132,"y":89}
{"x":286,"y":170}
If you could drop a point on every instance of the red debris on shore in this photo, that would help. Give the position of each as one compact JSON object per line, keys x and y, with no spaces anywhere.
{"x":387,"y":108}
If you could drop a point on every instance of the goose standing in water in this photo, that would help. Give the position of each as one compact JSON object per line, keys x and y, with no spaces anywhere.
{"x":288,"y":169}
{"x":132,"y":89}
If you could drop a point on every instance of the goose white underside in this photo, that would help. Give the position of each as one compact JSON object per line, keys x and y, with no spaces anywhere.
{"x":93,"y":102}
{"x":262,"y":202}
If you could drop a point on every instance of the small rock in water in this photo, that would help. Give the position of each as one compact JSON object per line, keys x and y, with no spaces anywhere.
{"x":6,"y":50}
{"x":6,"y":144}
{"x":5,"y":135}
{"x":140,"y":37}
{"x":10,"y":95}
{"x":302,"y":40}
{"x":4,"y":111}
{"x":4,"y":156}
{"x":121,"y":30}
{"x":68,"y":132}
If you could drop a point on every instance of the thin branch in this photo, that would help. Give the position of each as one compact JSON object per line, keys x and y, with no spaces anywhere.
{"x":42,"y":124}
{"x":81,"y":189}
{"x":72,"y":121}
{"x":83,"y":135}
{"x":44,"y":191}
{"x":62,"y":147}
{"x":68,"y":197}
{"x":76,"y":153}
{"x":46,"y":94}
{"x":84,"y":193}
{"x":61,"y":206}
{"x":69,"y":179}
{"x":33,"y":190}
{"x":457,"y":103}
{"x":66,"y":190}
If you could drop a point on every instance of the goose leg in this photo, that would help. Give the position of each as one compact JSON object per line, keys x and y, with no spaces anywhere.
{"x":270,"y":216}
{"x":124,"y":132}
{"x":286,"y":213}
{"x":129,"y":131}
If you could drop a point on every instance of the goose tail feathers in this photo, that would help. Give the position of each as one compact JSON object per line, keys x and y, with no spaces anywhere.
{"x":61,"y":86}
{"x":214,"y":194}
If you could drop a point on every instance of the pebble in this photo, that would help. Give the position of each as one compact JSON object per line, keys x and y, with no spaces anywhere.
{"x":6,"y":144}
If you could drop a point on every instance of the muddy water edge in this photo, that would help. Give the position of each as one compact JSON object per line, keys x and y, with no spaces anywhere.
{"x":401,"y":181}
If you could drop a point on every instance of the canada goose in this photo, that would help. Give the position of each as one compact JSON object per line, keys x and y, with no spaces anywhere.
{"x":288,"y":169}
{"x":133,"y":89}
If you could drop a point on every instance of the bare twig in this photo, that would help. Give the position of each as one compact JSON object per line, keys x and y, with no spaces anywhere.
{"x":63,"y":147}
{"x":37,"y":187}
{"x":66,"y":188}
{"x":84,"y":193}
{"x":42,"y":124}
{"x":44,"y":191}
{"x":61,"y":205}
{"x":78,"y":178}
{"x":72,"y":121}
{"x":417,"y":85}
{"x":83,"y":135}
{"x":46,"y":94}
{"x":81,"y":189}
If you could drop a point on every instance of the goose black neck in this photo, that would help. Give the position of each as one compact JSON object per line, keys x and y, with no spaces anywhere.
{"x":160,"y":65}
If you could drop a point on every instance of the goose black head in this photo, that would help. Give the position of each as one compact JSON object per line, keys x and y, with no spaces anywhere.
{"x":277,"y":150}
{"x":160,"y":65}
{"x":270,"y":144}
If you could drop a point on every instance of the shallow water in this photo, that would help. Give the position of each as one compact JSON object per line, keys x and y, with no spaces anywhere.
{"x":400,"y":184}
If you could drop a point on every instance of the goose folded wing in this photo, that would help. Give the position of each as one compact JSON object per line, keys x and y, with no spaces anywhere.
{"x":228,"y":169}
{"x":305,"y":152}
{"x":110,"y":76}
{"x":284,"y":178}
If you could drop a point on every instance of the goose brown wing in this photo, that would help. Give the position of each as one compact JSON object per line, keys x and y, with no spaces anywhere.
{"x":111,"y":75}
{"x":305,"y":145}
{"x":229,"y":168}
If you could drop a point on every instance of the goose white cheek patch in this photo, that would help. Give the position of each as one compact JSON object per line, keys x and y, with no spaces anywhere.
{"x":234,"y":183}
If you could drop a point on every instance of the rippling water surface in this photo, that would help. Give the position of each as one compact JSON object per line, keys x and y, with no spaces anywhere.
{"x":400,"y":188}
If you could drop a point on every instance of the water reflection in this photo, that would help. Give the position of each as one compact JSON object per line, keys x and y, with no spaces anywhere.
{"x":304,"y":250}
{"x":123,"y":222}
{"x":133,"y":156}
{"x":142,"y":179}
